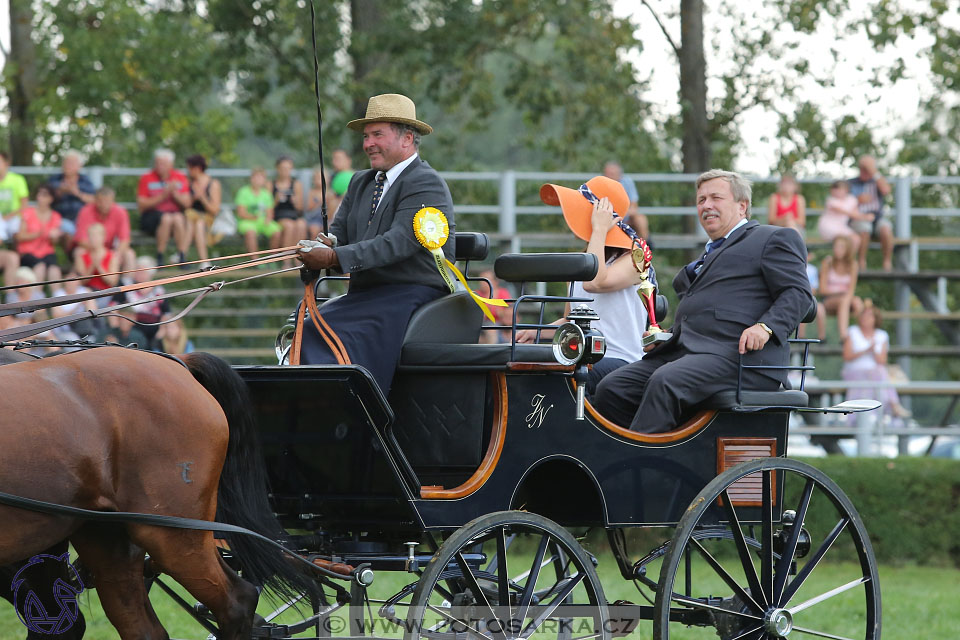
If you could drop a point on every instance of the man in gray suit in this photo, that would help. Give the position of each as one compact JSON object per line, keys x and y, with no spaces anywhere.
{"x":391,"y":273}
{"x":745,"y":295}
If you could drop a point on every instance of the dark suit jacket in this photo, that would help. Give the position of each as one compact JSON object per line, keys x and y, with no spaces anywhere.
{"x":757,"y":275}
{"x":387,"y":251}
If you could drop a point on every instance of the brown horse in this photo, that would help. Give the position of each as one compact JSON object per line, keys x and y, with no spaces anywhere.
{"x":114,"y":429}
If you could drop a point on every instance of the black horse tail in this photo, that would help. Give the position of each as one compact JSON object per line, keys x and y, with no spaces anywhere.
{"x":242,"y":493}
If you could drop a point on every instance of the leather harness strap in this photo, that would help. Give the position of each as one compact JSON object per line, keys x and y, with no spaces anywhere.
{"x":326,"y":332}
{"x":298,"y":332}
{"x":172,"y":522}
{"x":12,"y":308}
{"x":165,"y":266}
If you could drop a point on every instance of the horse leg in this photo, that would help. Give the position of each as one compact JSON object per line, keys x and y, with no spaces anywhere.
{"x":117,"y":567}
{"x":203,"y":572}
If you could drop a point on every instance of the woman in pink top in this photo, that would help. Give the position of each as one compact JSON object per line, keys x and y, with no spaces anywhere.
{"x":838,"y":283}
{"x":39,"y":231}
{"x":839,"y":209}
{"x":787,"y":208}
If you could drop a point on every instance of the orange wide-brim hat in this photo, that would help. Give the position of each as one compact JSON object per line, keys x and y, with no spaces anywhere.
{"x":577,"y":209}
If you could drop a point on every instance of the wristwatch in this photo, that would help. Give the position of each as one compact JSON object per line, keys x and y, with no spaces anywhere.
{"x":765,"y":328}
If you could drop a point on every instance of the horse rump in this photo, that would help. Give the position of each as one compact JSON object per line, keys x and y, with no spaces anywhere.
{"x":242,"y":497}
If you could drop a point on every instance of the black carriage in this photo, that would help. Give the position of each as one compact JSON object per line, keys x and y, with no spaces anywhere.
{"x":475,"y":474}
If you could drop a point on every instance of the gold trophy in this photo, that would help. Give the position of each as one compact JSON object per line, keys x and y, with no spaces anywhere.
{"x":647,"y":291}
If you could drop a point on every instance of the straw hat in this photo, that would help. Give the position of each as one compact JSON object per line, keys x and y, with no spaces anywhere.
{"x":391,"y":107}
{"x":577,"y":210}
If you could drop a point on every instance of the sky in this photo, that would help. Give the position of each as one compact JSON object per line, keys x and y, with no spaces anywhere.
{"x":896,"y":109}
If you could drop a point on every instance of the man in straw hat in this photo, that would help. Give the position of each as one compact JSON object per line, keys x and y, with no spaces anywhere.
{"x":744,"y":296}
{"x":372,"y":238}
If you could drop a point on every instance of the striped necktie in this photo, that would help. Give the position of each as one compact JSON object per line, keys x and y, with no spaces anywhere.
{"x":693,"y":269}
{"x":377,"y":193}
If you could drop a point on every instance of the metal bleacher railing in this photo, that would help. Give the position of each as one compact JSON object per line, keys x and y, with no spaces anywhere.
{"x":504,"y":205}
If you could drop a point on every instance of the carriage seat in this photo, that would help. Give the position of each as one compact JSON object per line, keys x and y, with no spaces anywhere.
{"x":454,"y":318}
{"x":782,"y":398}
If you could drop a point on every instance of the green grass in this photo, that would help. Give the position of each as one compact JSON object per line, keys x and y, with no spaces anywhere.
{"x":918,"y":602}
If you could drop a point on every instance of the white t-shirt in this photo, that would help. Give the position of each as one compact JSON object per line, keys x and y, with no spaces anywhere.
{"x":623,"y":319}
{"x":859,"y":342}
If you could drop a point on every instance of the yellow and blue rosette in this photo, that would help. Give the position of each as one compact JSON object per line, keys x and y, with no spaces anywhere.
{"x":431,"y":230}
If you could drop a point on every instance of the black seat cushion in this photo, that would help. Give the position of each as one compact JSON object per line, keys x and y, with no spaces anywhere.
{"x":471,"y":245}
{"x":491,"y":356}
{"x":546,"y":267}
{"x":783,"y":398}
{"x":454,"y":318}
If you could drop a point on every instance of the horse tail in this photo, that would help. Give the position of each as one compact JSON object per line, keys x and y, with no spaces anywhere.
{"x":242,"y":493}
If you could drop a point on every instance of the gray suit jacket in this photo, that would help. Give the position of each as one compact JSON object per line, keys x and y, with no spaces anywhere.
{"x":386,"y":251}
{"x":757,"y":275}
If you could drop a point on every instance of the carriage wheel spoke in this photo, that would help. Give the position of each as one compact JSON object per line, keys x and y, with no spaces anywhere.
{"x":548,"y":609}
{"x":531,"y":583}
{"x":697,"y":604}
{"x":458,"y":622}
{"x":814,"y":560}
{"x":819,"y":633}
{"x":786,"y":557}
{"x":745,"y":558}
{"x":479,"y":595}
{"x":726,"y":577}
{"x":749,"y":633}
{"x":766,"y":536}
{"x":827,"y":595}
{"x":503,"y":578}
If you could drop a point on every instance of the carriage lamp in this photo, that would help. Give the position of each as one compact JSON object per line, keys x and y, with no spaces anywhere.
{"x":590,"y":347}
{"x":595,"y":345}
{"x":568,"y":343}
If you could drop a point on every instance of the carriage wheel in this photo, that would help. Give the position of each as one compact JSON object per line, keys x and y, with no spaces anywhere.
{"x":814,"y":574}
{"x":506,"y":576}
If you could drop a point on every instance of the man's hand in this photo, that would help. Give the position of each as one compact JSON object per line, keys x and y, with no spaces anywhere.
{"x":653,"y":345}
{"x":753,"y":338}
{"x":317,"y":257}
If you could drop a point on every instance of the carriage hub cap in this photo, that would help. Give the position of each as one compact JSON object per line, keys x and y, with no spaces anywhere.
{"x":778,"y":622}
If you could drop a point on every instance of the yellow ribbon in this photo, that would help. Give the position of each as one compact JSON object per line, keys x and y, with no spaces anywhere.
{"x":432,"y":230}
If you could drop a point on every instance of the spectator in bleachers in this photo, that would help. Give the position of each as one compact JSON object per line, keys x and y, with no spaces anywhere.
{"x":206,"y":194}
{"x":865,"y":359}
{"x":870,"y":189}
{"x":162,"y":196}
{"x":94,"y":260}
{"x":288,"y":204}
{"x":75,"y":330}
{"x":838,"y":284}
{"x":340,"y":180}
{"x":121,"y":330}
{"x":813,"y":277}
{"x":26,"y":276}
{"x":839,"y":211}
{"x":638,"y":221}
{"x":72,"y":190}
{"x":13,"y":197}
{"x":149,"y":312}
{"x":174,"y":339}
{"x":787,"y":206}
{"x":115,"y":221}
{"x":313,"y":214}
{"x":255,"y":211}
{"x":39,"y":232}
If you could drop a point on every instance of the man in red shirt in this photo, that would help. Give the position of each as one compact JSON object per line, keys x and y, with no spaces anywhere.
{"x":162,"y":197}
{"x":116,"y":224}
